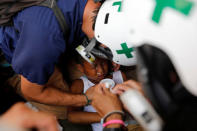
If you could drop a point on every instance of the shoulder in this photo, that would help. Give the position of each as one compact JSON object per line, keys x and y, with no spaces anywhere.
{"x":37,"y":17}
{"x":77,"y":86}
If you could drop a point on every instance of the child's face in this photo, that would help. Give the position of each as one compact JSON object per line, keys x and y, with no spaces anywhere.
{"x":96,"y":71}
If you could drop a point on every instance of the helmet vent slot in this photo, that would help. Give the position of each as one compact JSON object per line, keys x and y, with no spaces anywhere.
{"x":106,"y":18}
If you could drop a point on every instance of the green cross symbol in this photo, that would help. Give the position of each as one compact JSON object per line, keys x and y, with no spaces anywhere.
{"x":119,"y":3}
{"x":125,"y":50}
{"x":183,"y":6}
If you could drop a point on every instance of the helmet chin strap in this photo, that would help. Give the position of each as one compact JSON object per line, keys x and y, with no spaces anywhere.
{"x":91,"y":47}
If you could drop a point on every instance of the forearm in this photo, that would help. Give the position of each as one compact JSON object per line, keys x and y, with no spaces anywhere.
{"x":53,"y":96}
{"x":84,"y":117}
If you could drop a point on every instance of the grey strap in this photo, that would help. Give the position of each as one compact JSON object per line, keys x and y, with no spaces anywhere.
{"x":59,"y":15}
{"x":91,"y":45}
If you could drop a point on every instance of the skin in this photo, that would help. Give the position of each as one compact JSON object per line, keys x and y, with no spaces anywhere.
{"x":111,"y":100}
{"x":20,"y":116}
{"x":49,"y":94}
{"x":121,"y":88}
{"x":95,"y":73}
{"x":111,"y":103}
{"x":75,"y":114}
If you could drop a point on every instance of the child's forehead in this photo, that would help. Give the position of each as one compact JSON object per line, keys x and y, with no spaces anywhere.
{"x":97,"y":60}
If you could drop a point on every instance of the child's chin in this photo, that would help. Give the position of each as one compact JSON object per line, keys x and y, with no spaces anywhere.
{"x":97,"y":80}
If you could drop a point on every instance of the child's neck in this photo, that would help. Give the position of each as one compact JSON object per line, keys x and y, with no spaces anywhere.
{"x":94,"y":82}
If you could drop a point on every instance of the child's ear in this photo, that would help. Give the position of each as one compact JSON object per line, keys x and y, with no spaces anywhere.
{"x":80,"y":68}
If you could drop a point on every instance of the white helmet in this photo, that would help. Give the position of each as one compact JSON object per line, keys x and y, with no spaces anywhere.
{"x":168,"y":25}
{"x":164,"y":35}
{"x":171,"y":26}
{"x":109,"y":20}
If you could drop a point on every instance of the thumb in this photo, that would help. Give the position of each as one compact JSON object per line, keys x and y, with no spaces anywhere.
{"x":106,"y":90}
{"x":99,"y":88}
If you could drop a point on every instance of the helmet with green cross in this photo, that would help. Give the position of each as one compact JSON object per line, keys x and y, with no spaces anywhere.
{"x":109,"y":31}
{"x":170,"y":26}
{"x":163,"y":33}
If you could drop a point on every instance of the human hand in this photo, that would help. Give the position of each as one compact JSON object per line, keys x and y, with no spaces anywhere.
{"x":90,"y":92}
{"x":104,"y":101}
{"x":20,"y":116}
{"x":120,"y":88}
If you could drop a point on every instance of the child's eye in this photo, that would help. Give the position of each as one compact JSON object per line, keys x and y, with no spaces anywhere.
{"x":95,"y":65}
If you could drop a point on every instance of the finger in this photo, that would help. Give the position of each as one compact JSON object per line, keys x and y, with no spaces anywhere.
{"x":119,"y":92}
{"x":133,"y":83}
{"x":116,"y":88}
{"x":101,"y":87}
{"x":122,"y":87}
{"x":98,"y":92}
{"x":42,"y":121}
{"x":106,"y":90}
{"x":98,"y":89}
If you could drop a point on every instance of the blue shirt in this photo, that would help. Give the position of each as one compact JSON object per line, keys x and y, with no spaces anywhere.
{"x":34,"y":49}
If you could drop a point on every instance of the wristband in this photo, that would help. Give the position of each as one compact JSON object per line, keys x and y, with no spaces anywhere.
{"x":88,"y":100}
{"x":113,"y":122}
{"x":113,"y":129}
{"x":110,"y":113}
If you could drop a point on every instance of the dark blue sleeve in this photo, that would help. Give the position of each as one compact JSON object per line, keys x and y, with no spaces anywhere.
{"x":37,"y":52}
{"x":1,"y":35}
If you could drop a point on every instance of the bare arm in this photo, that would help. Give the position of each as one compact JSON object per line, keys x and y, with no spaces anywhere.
{"x":82,"y":117}
{"x":76,"y":115}
{"x":48,"y":94}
